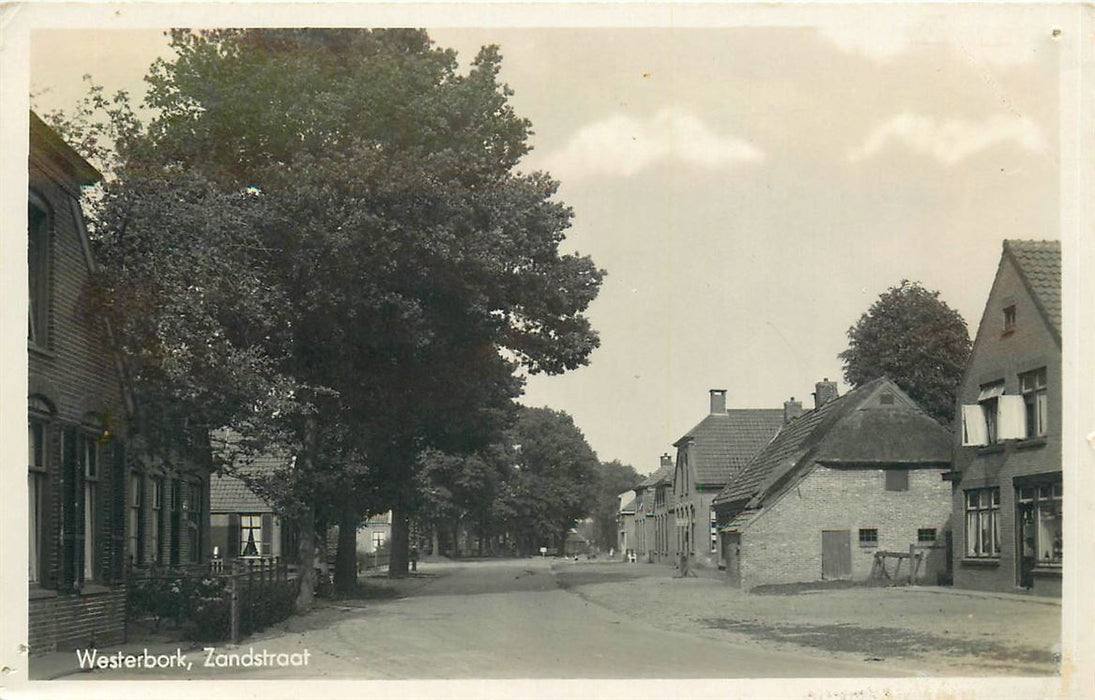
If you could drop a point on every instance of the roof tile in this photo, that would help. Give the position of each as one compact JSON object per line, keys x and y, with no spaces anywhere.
{"x":724,"y":443}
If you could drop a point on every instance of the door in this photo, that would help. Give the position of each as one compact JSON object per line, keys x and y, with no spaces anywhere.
{"x":1027,"y":553}
{"x":731,"y":554}
{"x":836,"y":554}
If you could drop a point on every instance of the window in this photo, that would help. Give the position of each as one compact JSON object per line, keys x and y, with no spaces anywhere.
{"x":1009,"y":319}
{"x":714,"y":532}
{"x":989,"y":400}
{"x":176,"y":521}
{"x":136,"y":551}
{"x":250,"y":535}
{"x":378,"y":540}
{"x":36,"y":478}
{"x":1032,"y":386}
{"x":1040,"y":517}
{"x":157,"y":519}
{"x":925,"y":535}
{"x":982,"y":528}
{"x":868,"y":537}
{"x":38,"y":226}
{"x":897,"y":479}
{"x":194,"y":520}
{"x":90,"y":456}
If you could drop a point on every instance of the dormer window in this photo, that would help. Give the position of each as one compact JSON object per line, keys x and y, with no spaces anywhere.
{"x":1009,"y":319}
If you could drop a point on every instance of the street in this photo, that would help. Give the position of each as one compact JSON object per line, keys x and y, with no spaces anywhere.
{"x":502,"y":619}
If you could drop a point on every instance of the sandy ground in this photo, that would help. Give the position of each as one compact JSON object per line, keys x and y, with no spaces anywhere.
{"x":929,"y":630}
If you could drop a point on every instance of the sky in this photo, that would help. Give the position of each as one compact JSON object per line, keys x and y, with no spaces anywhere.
{"x":750,"y":186}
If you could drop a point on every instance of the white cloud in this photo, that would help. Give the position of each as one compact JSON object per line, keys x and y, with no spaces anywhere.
{"x":623,"y":146}
{"x":998,"y":36}
{"x":950,"y":140}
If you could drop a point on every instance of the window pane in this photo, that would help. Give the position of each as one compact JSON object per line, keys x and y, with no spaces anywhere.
{"x":1049,"y":532}
{"x":971,"y":534}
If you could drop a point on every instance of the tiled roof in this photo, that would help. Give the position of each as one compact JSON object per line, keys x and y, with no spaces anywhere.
{"x":723,"y":443}
{"x":881,"y":435}
{"x":1039,"y":263}
{"x":228,"y":494}
{"x":782,"y":453}
{"x":663,"y":474}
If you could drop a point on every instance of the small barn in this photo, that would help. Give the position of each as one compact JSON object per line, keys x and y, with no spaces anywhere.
{"x":858,"y":475}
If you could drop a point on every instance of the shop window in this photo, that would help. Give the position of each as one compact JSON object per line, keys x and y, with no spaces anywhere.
{"x":1039,"y":515}
{"x":1032,"y":386}
{"x":982,"y":526}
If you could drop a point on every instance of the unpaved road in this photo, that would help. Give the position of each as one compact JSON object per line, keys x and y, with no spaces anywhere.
{"x":504,"y":619}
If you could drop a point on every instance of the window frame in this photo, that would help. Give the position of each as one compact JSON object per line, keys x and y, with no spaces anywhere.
{"x":1010,"y":316}
{"x":986,"y":510}
{"x":868,"y":537}
{"x":1044,"y":499}
{"x":135,"y":511}
{"x":37,"y":476}
{"x":90,"y":454}
{"x":990,"y":408}
{"x":923,"y":538}
{"x":1033,"y":387}
{"x":39,"y":268}
{"x":255,"y":529}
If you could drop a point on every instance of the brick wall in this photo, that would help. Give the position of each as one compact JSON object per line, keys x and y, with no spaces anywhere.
{"x":70,"y":622}
{"x":783,"y":543}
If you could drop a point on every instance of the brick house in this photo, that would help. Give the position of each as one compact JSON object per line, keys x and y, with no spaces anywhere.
{"x":708,"y":456}
{"x":242,"y":524}
{"x":1007,"y":484}
{"x":94,"y":506}
{"x":652,"y":514}
{"x":858,"y":474}
{"x":625,"y":524}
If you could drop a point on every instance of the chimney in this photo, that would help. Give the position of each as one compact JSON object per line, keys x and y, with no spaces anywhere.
{"x":667,"y":461}
{"x":718,"y":401}
{"x":825,"y":391}
{"x":791,"y":410}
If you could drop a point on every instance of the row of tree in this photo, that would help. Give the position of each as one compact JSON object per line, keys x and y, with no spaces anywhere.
{"x":321,"y":241}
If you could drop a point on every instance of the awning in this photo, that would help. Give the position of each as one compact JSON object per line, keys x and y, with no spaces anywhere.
{"x":991,"y":391}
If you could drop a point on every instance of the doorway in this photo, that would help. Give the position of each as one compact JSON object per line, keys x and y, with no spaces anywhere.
{"x":836,"y":554}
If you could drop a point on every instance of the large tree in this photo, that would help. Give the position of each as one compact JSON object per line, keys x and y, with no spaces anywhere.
{"x":553,"y":482}
{"x":911,"y":336}
{"x":405,"y":269}
{"x":613,"y":479}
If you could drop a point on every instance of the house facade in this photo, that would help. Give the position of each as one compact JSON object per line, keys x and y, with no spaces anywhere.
{"x":1007,"y":478}
{"x":243,"y":525}
{"x":652,"y":514}
{"x":77,"y":467}
{"x":708,"y":456}
{"x":626,"y":540}
{"x":859,"y":474}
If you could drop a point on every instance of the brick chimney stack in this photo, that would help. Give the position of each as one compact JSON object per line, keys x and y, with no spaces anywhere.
{"x":791,"y":410}
{"x":825,"y":391}
{"x":667,"y":461}
{"x":718,"y":401}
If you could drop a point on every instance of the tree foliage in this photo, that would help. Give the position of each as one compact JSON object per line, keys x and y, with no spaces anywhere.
{"x":613,"y":479}
{"x":326,"y":228}
{"x":911,"y":336}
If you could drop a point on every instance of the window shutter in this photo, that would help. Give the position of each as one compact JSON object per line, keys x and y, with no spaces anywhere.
{"x":47,"y":576}
{"x":267,"y":534}
{"x":974,"y":429}
{"x":117,"y":512}
{"x":1012,"y":417}
{"x":68,"y":510}
{"x":233,"y":536}
{"x":139,"y":500}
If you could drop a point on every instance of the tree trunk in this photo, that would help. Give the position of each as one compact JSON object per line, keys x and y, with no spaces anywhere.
{"x":400,"y":554}
{"x":436,"y":540}
{"x":306,"y":547}
{"x":346,"y":557}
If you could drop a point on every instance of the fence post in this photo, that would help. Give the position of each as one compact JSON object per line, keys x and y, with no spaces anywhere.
{"x":912,"y":560}
{"x":233,"y":585}
{"x":251,"y":594}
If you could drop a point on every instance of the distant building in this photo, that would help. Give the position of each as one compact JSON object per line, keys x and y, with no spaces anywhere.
{"x":625,"y":524}
{"x":653,"y":517}
{"x":859,"y":474}
{"x":708,"y":456}
{"x":1008,"y":491}
{"x":243,"y":525}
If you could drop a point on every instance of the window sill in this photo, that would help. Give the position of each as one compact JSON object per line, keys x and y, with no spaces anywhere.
{"x":868,"y":546}
{"x":1030,"y":443}
{"x":1051,"y":570}
{"x":985,"y":562}
{"x":38,"y":593}
{"x":995,"y":448}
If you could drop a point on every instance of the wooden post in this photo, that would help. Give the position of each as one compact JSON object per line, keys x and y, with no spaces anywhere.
{"x":233,"y":587}
{"x":912,"y":558}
